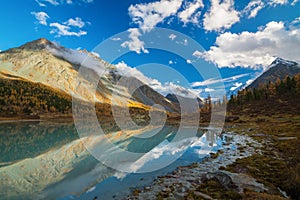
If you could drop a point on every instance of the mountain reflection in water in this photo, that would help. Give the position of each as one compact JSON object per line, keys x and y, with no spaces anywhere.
{"x":42,"y":160}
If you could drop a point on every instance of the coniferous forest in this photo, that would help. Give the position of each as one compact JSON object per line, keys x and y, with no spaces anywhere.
{"x":272,"y":98}
{"x":20,"y":97}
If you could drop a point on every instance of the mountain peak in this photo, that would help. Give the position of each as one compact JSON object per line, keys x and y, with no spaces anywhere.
{"x":42,"y":41}
{"x":38,"y":44}
{"x":282,"y":61}
{"x":278,"y":59}
{"x":279,"y":69}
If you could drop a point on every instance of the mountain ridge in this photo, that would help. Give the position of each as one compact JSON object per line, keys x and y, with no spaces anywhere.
{"x":278,"y":69}
{"x":42,"y":61}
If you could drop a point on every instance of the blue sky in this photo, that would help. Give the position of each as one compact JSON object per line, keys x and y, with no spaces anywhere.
{"x":239,"y":37}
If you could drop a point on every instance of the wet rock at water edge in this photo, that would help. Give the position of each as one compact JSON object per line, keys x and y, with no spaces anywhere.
{"x":224,"y":179}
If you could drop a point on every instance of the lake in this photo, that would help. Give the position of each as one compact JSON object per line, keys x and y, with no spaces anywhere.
{"x":48,"y":160}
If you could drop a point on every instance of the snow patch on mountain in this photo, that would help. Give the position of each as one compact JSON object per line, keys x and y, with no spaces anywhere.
{"x":278,"y":61}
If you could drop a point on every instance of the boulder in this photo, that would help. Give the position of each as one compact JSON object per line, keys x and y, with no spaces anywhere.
{"x":223,"y":178}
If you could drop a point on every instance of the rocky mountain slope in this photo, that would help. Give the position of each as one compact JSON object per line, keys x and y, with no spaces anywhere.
{"x":56,"y":67}
{"x":278,"y":69}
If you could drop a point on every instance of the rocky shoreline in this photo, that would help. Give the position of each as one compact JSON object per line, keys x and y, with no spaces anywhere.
{"x":185,"y":182}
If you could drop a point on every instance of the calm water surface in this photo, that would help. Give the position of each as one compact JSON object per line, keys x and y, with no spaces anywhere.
{"x":47,"y":160}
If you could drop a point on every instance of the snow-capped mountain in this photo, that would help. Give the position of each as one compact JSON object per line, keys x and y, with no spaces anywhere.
{"x":279,"y":69}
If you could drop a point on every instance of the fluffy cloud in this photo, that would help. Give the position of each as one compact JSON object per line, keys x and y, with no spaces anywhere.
{"x":189,"y":14}
{"x":253,"y":49}
{"x":63,"y":30}
{"x":148,"y":15}
{"x":163,"y":88}
{"x":41,"y":17}
{"x":125,"y":70}
{"x":77,"y":22}
{"x":221,"y":15}
{"x":173,"y":88}
{"x":79,"y":57}
{"x":253,"y":8}
{"x":134,"y":43}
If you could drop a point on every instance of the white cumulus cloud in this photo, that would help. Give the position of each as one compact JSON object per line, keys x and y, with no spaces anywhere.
{"x":163,"y":88}
{"x":148,"y":15}
{"x":63,"y":30}
{"x":254,"y":49}
{"x":41,"y":17}
{"x":220,"y":16}
{"x":125,"y":70}
{"x":77,"y":22}
{"x":134,"y":43}
{"x":253,"y":8}
{"x":80,"y":57}
{"x":191,"y":12}
{"x":67,"y":28}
